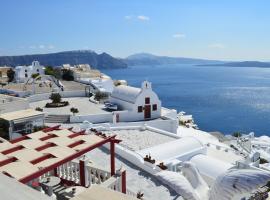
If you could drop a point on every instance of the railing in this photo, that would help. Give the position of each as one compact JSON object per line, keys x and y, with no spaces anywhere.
{"x":97,"y":175}
{"x":69,"y":171}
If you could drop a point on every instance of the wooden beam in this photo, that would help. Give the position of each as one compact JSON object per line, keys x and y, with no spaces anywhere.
{"x":13,"y":149}
{"x":25,"y":137}
{"x":48,"y":137}
{"x":7,"y":161}
{"x":65,"y":160}
{"x":51,"y":128}
{"x":45,"y":146}
{"x":42,"y":158}
{"x":74,"y":144}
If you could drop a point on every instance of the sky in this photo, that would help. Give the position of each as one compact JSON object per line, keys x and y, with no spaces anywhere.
{"x":223,"y":29}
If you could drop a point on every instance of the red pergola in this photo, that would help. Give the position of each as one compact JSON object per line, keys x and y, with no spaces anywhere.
{"x":72,"y":145}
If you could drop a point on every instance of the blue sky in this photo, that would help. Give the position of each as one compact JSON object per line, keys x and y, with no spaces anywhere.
{"x":223,"y":29}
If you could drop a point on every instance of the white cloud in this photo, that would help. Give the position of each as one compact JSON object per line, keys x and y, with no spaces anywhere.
{"x":179,"y":35}
{"x":42,"y":46}
{"x":50,"y":46}
{"x":143,"y":18}
{"x":128,"y":17}
{"x":217,"y":46}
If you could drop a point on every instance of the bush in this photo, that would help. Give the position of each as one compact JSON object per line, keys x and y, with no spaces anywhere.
{"x":236,"y":134}
{"x":101,"y":95}
{"x":39,"y":109}
{"x":56,"y":105}
{"x":56,"y":72}
{"x":56,"y":98}
{"x":10,"y":75}
{"x":35,"y":75}
{"x":74,"y":110}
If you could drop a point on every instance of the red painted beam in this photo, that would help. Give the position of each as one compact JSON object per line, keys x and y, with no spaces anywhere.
{"x":25,"y":137}
{"x":112,"y":149}
{"x":77,"y":134}
{"x":13,"y":149}
{"x":48,"y":137}
{"x":7,"y":161}
{"x":51,"y":128}
{"x":74,"y":144}
{"x":42,"y":158}
{"x":65,"y":160}
{"x":45,"y":146}
{"x":124,"y":182}
{"x":82,"y":173}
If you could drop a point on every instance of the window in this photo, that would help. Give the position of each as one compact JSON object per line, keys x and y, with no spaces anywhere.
{"x":26,"y":75}
{"x":140,"y":109}
{"x":37,"y":70}
{"x":25,"y":71}
{"x":154,"y":107}
{"x":147,"y":100}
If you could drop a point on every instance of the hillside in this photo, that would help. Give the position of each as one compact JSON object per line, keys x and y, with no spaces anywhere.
{"x":99,"y":61}
{"x":149,"y":59}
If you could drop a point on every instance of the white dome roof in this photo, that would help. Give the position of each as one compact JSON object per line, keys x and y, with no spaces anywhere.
{"x":126,"y":93}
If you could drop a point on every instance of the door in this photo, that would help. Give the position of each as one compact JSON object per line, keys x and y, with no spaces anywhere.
{"x":147,"y":111}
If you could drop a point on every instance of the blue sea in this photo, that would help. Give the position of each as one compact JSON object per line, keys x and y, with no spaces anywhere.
{"x":225,"y":99}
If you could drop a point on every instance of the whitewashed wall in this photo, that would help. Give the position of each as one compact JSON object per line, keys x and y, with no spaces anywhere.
{"x":64,"y":94}
{"x":94,"y":118}
{"x":17,"y":104}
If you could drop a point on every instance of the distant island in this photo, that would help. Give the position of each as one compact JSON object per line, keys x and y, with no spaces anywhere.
{"x":106,"y":61}
{"x":98,"y":61}
{"x":150,"y":59}
{"x":241,"y":64}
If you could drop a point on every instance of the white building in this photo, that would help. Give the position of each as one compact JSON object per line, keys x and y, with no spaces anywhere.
{"x":136,"y":104}
{"x":22,"y":73}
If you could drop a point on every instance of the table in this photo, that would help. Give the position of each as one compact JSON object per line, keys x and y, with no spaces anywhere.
{"x":48,"y":183}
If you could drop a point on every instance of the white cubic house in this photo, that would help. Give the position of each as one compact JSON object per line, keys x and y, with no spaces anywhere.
{"x":22,"y":73}
{"x":135,"y":104}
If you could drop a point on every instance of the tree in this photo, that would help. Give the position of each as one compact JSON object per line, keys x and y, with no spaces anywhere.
{"x":35,"y":75}
{"x":56,"y":72}
{"x":100,"y":95}
{"x":67,"y":75}
{"x":56,"y":98}
{"x":236,"y":134}
{"x":74,"y":110}
{"x":10,"y":75}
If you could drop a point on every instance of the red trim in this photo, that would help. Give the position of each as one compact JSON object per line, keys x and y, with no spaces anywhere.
{"x":124,"y":183}
{"x":42,"y":158}
{"x":55,"y":172}
{"x":13,"y":149}
{"x":7,"y":161}
{"x":77,"y":134}
{"x":25,"y":137}
{"x":74,"y":144}
{"x":48,"y":137}
{"x":46,"y":146}
{"x":7,"y":174}
{"x":51,"y":128}
{"x":82,"y":173}
{"x":65,"y":160}
{"x":112,"y":149}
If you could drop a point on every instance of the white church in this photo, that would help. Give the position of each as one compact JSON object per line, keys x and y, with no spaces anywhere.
{"x":136,"y":104}
{"x":22,"y":73}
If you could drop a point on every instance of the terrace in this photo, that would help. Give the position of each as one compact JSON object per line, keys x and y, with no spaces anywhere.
{"x":54,"y":159}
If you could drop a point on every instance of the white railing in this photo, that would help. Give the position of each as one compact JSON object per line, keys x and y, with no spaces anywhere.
{"x":69,"y":171}
{"x":97,"y":175}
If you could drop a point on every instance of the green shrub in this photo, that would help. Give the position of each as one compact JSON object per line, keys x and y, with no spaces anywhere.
{"x":100,"y":95}
{"x":67,"y":75}
{"x":74,"y":110}
{"x":236,"y":134}
{"x":56,"y":97}
{"x":39,"y":109}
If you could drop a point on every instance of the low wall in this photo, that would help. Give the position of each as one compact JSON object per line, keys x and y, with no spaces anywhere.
{"x":94,"y":118}
{"x":64,"y":94}
{"x":14,"y":106}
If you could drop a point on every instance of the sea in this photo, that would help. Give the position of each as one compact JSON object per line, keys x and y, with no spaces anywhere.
{"x":224,"y":99}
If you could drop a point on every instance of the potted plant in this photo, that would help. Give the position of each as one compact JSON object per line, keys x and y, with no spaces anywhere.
{"x":149,"y":161}
{"x":161,"y":166}
{"x":74,"y":110}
